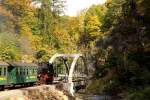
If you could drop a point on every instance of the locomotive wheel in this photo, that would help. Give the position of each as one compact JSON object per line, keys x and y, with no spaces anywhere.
{"x":42,"y":80}
{"x":1,"y":87}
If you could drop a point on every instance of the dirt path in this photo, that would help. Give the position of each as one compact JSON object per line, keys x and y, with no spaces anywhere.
{"x":43,"y":92}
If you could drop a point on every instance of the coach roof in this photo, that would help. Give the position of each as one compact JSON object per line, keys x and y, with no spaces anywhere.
{"x":22,"y":64}
{"x":2,"y":63}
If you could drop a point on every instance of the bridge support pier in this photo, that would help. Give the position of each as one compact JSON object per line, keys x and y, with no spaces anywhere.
{"x":68,"y":87}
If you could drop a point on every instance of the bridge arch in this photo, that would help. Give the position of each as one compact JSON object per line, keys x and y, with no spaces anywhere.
{"x":78,"y":71}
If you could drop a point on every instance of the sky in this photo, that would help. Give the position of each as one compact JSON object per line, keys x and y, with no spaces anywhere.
{"x":74,"y":6}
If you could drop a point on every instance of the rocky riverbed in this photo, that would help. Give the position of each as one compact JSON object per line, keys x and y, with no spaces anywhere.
{"x":44,"y":92}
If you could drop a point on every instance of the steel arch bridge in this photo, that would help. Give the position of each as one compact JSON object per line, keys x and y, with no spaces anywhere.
{"x":75,"y":71}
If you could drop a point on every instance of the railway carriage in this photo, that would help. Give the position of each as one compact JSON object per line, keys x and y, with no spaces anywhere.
{"x":22,"y":73}
{"x":16,"y":73}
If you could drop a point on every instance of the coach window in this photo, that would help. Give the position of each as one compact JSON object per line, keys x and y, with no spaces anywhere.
{"x":35,"y":71}
{"x":28,"y":71}
{"x":0,"y":71}
{"x":4,"y":71}
{"x":25,"y":71}
{"x":32,"y":71}
{"x":22,"y":71}
{"x":18,"y":71}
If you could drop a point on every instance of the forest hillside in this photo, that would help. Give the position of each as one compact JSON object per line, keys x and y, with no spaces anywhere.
{"x":114,"y":37}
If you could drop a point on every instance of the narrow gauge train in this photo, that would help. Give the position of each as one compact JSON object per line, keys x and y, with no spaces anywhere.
{"x":16,"y":73}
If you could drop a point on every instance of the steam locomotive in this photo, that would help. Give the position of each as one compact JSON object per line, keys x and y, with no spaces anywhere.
{"x":45,"y":73}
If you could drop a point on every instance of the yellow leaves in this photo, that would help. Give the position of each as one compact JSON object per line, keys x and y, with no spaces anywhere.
{"x":27,"y":58}
{"x":36,"y":42}
{"x":94,"y":34}
{"x":25,"y":30}
{"x":8,"y":47}
{"x":61,"y":35}
{"x":67,"y":34}
{"x":92,"y":21}
{"x":93,"y":26}
{"x":141,"y":7}
{"x":18,"y":4}
{"x":4,"y":12}
{"x":73,"y":23}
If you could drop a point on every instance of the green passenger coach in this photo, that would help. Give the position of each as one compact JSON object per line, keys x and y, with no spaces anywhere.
{"x":22,"y":73}
{"x":17,"y":73}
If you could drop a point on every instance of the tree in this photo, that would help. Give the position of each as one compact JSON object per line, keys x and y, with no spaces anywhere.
{"x":6,"y":20}
{"x":91,"y":24}
{"x":9,"y":47}
{"x":125,"y":41}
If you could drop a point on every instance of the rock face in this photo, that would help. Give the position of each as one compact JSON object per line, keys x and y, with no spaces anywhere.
{"x":44,"y":92}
